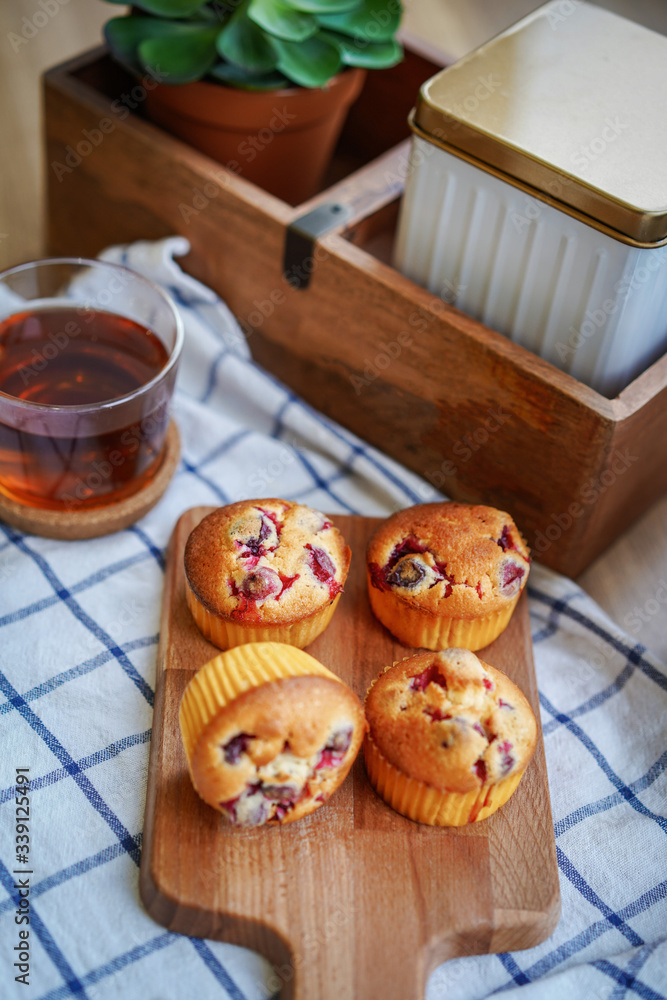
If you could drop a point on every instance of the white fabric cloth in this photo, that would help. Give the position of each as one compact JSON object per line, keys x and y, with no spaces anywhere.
{"x":78,"y":640}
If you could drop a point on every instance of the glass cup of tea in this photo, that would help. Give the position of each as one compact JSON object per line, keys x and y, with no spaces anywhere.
{"x":88,"y":358}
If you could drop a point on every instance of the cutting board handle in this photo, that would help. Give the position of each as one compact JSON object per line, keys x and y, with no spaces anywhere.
{"x":342,"y":971}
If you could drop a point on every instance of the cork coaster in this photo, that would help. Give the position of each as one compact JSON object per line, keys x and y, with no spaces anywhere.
{"x":96,"y":521}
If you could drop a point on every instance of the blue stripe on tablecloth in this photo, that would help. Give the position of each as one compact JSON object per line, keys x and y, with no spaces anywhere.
{"x":633,"y":653}
{"x":218,"y":970}
{"x":116,"y":964}
{"x":224,"y":447}
{"x":611,"y":801}
{"x":76,"y":588}
{"x":75,"y":608}
{"x":76,"y":986}
{"x":543,"y":633}
{"x":390,"y":476}
{"x":356,"y":448}
{"x":343,"y":469}
{"x":580,"y":883}
{"x":551,"y":626}
{"x":192,"y":301}
{"x":157,"y":553}
{"x":602,"y":763}
{"x":594,"y":931}
{"x":192,"y":469}
{"x":278,"y":426}
{"x":83,"y":764}
{"x":647,"y":899}
{"x":73,"y":986}
{"x":548,"y":962}
{"x":79,"y":671}
{"x":597,"y":699}
{"x":72,"y":767}
{"x":631,"y":971}
{"x":319,"y":481}
{"x":519,"y":978}
{"x":299,"y":495}
{"x":114,"y":749}
{"x":213,"y":375}
{"x":129,"y":844}
{"x":72,"y":871}
{"x":627,"y":981}
{"x":142,"y":951}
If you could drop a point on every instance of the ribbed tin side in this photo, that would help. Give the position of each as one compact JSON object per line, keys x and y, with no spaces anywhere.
{"x":589,"y":304}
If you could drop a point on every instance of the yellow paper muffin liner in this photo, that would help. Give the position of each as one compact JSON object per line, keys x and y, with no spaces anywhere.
{"x":233,"y":672}
{"x":414,"y":627}
{"x":224,"y":633}
{"x":425,"y":804}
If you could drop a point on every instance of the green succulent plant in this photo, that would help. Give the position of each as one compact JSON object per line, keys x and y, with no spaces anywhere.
{"x":255,"y":44}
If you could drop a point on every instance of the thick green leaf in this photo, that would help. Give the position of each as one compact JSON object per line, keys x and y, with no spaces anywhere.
{"x":310,"y":63}
{"x":322,"y":6}
{"x":169,"y":8}
{"x":180,"y":59}
{"x":367,"y":55}
{"x":124,"y":35}
{"x":372,"y":20}
{"x":281,"y":20}
{"x":234,"y":76}
{"x":243,"y":43}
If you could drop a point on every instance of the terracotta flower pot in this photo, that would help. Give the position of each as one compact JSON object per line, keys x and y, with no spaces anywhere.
{"x":281,"y":140}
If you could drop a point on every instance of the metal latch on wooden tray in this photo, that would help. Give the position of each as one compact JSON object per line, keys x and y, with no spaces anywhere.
{"x":298,"y":256}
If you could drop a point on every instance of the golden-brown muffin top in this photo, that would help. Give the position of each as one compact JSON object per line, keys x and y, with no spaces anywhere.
{"x":460,"y":560}
{"x":266,"y":560}
{"x":450,"y":720}
{"x":277,"y":751}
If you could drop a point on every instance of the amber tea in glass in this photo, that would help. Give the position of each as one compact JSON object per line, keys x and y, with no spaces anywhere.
{"x":88,"y":357}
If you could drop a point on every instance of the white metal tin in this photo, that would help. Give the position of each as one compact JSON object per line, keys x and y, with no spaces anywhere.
{"x":537,"y":194}
{"x":590,"y":304}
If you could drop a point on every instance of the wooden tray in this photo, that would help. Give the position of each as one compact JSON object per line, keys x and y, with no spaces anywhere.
{"x":354,"y":902}
{"x":476,"y":415}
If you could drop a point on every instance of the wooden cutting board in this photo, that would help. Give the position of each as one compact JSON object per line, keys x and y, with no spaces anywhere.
{"x":354,"y":902}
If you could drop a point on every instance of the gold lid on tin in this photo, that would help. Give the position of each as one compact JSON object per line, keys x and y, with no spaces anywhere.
{"x":570,"y":103}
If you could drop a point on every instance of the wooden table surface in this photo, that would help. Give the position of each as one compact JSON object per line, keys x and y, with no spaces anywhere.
{"x":630,"y":580}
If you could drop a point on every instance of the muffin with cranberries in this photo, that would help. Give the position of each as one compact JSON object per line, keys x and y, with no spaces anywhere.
{"x":269,"y":733}
{"x":446,"y":574}
{"x":449,"y":737}
{"x":264,"y":570}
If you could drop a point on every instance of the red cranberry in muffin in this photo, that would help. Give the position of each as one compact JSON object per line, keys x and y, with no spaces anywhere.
{"x":264,"y":570}
{"x":446,"y":574}
{"x":269,"y":733}
{"x":449,"y":739}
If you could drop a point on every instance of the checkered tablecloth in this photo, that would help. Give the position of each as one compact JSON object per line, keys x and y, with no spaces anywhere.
{"x":78,"y":641}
